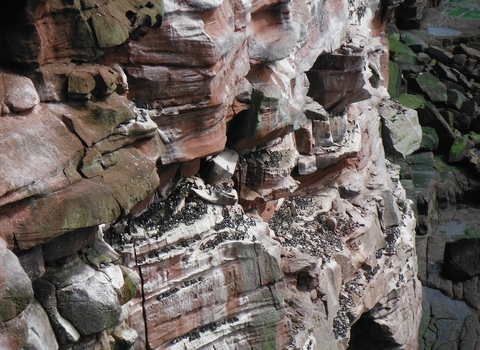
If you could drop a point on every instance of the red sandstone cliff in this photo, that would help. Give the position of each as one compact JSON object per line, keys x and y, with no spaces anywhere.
{"x":202,"y":175}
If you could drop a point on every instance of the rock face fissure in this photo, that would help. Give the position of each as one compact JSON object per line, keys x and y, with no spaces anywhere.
{"x":203,"y":175}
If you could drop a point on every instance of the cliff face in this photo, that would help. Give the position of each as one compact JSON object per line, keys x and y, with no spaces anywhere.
{"x":203,"y":174}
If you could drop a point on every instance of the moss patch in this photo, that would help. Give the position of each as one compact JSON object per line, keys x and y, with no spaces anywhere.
{"x":458,"y":149}
{"x":456,"y":12}
{"x":433,"y":87}
{"x":472,"y":15}
{"x":394,"y":80}
{"x":412,"y":101}
{"x":396,"y":46}
{"x":401,"y":53}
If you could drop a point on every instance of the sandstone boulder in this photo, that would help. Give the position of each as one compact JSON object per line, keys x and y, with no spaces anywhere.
{"x":16,"y":291}
{"x":95,"y":297}
{"x":221,"y":167}
{"x":64,"y":330}
{"x":80,"y":85}
{"x":40,"y":332}
{"x":18,"y":92}
{"x":14,"y":333}
{"x":439,"y":54}
{"x":30,"y":152}
{"x":68,"y":243}
{"x":347,"y":86}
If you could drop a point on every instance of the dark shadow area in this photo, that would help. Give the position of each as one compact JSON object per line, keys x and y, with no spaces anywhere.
{"x":366,"y":334}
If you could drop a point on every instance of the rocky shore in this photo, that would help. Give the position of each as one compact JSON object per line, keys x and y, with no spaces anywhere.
{"x":435,"y":70}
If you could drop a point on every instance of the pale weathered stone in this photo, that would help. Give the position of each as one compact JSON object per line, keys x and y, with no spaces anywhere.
{"x":338,"y":126}
{"x":14,"y":333}
{"x":101,"y":253}
{"x":95,"y":297}
{"x":401,"y":130}
{"x":220,"y":169}
{"x":322,"y":133}
{"x":307,"y":165}
{"x":40,"y":332}
{"x":20,"y":93}
{"x":64,"y":330}
{"x":16,"y":291}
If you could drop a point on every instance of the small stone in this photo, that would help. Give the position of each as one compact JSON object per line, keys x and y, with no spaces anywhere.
{"x":423,"y":58}
{"x":462,"y":123}
{"x":469,"y":66}
{"x":307,"y":165}
{"x":331,"y":223}
{"x":473,"y":158}
{"x":468,"y":51}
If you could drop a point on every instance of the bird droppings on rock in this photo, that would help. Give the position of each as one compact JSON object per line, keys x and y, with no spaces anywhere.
{"x":211,"y":327}
{"x":167,"y":294}
{"x":308,"y":230}
{"x":234,"y":226}
{"x":341,"y":325}
{"x":392,"y":234}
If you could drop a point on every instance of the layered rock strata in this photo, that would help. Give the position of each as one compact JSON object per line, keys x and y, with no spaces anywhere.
{"x":186,"y":174}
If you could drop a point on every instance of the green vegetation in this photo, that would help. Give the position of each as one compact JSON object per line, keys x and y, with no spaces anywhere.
{"x":412,"y":101}
{"x":433,"y":87}
{"x":395,"y":79}
{"x":457,"y":12}
{"x":472,"y":15}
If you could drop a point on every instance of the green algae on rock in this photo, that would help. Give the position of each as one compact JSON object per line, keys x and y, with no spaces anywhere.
{"x":432,"y":87}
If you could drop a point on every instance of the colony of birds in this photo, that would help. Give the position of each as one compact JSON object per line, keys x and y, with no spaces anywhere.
{"x":298,"y":224}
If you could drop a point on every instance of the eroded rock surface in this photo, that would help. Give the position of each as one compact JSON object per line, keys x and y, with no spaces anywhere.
{"x":199,"y":174}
